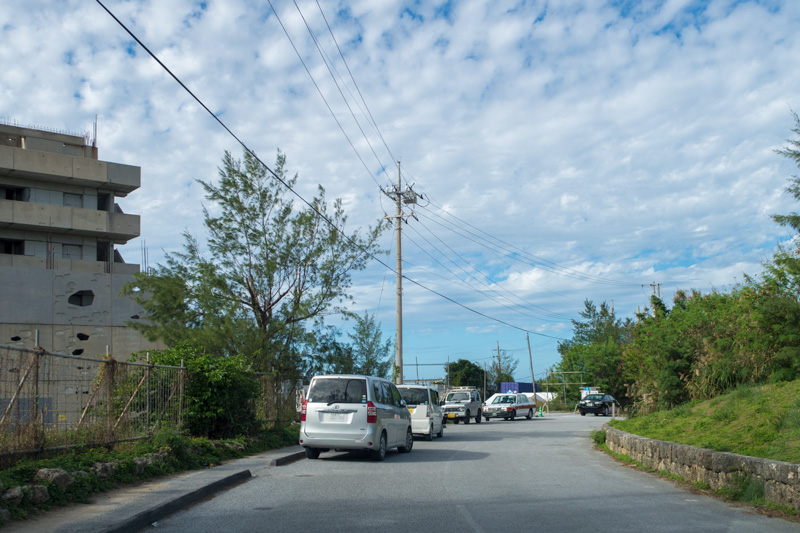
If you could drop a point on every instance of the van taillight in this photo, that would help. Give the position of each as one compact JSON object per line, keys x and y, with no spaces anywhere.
{"x":303,"y":411}
{"x":372,"y":413}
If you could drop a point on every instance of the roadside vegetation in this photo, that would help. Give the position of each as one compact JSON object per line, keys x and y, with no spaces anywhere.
{"x":755,"y":420}
{"x":35,"y":485}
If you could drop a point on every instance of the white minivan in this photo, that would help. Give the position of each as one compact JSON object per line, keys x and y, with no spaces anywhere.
{"x":425,"y":408}
{"x":350,"y":412}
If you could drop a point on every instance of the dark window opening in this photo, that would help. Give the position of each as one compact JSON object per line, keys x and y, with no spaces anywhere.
{"x":82,"y":337}
{"x":16,"y":338}
{"x":18,"y":194}
{"x":12,"y":247}
{"x":103,"y":251}
{"x":77,"y":352}
{"x":81,"y":299}
{"x":104,"y":201}
{"x":11,"y":140}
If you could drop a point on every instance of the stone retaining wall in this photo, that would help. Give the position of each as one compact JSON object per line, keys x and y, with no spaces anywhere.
{"x":718,"y":469}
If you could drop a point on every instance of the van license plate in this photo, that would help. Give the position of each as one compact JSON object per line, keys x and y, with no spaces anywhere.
{"x":335,"y":417}
{"x":451,"y":415}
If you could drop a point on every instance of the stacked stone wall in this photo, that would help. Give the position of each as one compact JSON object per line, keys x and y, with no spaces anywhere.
{"x":781,"y":479}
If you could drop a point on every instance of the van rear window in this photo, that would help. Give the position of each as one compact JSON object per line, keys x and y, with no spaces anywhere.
{"x":342,"y":390}
{"x":414,"y":396}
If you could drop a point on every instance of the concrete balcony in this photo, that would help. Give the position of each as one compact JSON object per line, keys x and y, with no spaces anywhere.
{"x":27,"y":262}
{"x":61,"y":168}
{"x":117,"y":227}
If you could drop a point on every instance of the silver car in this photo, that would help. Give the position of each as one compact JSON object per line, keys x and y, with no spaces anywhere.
{"x":349,"y":412}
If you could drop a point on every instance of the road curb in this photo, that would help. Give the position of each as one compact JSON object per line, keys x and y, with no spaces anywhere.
{"x":145,"y":518}
{"x":287,"y":459}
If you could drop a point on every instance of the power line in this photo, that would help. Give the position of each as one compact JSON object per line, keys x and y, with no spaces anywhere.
{"x":320,"y":93}
{"x":286,"y":185}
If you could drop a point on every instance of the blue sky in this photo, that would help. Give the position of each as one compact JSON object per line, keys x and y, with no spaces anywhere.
{"x":566,"y":149}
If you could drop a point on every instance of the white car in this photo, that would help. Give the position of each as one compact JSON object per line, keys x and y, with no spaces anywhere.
{"x":349,"y":412}
{"x":509,"y":406}
{"x":426,"y":412}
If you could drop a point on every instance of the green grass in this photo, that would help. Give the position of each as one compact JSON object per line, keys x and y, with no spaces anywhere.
{"x":760,"y":421}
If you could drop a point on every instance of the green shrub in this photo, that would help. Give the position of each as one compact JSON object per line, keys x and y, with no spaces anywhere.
{"x":599,"y":437}
{"x":220,"y":394}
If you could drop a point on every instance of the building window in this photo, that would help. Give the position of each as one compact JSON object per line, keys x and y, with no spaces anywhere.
{"x":12,"y":247}
{"x":73,"y":200}
{"x":71,"y":251}
{"x":19,"y":194}
{"x":104,"y":202}
{"x":103,"y":251}
{"x":10,"y":140}
{"x":81,"y":298}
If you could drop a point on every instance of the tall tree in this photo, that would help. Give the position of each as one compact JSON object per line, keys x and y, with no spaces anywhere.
{"x":371,"y":353}
{"x":792,"y":152}
{"x":270,"y":267}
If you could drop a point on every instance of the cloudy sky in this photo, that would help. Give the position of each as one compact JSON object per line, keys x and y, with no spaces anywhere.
{"x":565,"y":150}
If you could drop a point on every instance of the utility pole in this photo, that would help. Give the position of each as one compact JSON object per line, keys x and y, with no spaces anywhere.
{"x":400,"y":197}
{"x":656,"y":289}
{"x":499,"y":364}
{"x":530,"y":356}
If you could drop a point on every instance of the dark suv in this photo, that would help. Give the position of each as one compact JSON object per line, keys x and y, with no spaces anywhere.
{"x":599,"y":404}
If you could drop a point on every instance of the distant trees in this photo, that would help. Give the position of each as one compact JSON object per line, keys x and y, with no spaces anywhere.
{"x":595,"y":350}
{"x":500,"y":371}
{"x":366,"y":354}
{"x":464,"y":373}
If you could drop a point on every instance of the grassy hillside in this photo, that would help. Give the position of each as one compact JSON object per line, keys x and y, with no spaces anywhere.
{"x":760,"y":421}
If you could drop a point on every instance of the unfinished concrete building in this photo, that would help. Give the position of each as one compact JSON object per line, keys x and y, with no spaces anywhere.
{"x":59,"y":225}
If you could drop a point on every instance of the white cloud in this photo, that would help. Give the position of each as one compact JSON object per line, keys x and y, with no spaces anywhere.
{"x":628,"y":144}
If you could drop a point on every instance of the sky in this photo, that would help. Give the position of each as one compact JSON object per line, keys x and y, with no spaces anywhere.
{"x":564,"y":151}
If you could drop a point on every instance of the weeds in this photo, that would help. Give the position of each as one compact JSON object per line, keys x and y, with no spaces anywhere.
{"x":599,"y":437}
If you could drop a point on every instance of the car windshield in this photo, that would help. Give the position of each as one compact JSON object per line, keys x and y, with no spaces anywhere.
{"x":343,"y":390}
{"x":595,"y":397}
{"x":505,"y":399}
{"x":414,"y":396}
{"x":458,"y":397}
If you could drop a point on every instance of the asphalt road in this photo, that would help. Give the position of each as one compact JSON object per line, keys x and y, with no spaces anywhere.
{"x":537,"y":475}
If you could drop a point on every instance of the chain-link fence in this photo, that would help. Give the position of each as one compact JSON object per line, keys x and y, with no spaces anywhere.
{"x":52,"y":401}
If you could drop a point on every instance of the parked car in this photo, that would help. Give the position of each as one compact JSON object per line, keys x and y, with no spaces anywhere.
{"x":462,"y":403}
{"x":599,"y":404}
{"x":509,"y":406}
{"x":426,"y":413}
{"x":349,"y":412}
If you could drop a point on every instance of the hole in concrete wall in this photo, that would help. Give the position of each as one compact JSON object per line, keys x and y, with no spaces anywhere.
{"x":77,"y":352}
{"x":82,"y":337}
{"x":135,"y":317}
{"x":81,"y":298}
{"x":16,"y":338}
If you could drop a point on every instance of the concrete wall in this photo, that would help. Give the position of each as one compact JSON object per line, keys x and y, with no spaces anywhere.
{"x":718,"y":469}
{"x":41,"y":296}
{"x":86,"y":341}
